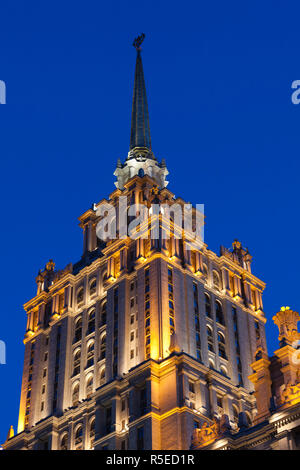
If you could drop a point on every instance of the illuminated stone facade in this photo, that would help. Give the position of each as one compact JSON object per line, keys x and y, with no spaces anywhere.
{"x":276,"y":381}
{"x":141,"y":341}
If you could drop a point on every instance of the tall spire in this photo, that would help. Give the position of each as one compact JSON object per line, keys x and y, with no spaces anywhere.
{"x":140,"y":160}
{"x":140,"y":126}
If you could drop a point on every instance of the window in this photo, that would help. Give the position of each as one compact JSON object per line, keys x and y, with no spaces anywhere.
{"x":235,"y":414}
{"x":131,"y":354}
{"x":131,"y":319}
{"x":248,"y":418}
{"x":123,"y":404}
{"x":61,"y":303}
{"x":42,"y":406}
{"x":171,"y":301}
{"x":44,"y":372}
{"x":103,"y":347}
{"x":92,"y":432}
{"x":216,"y":280}
{"x":140,"y":439}
{"x":43,"y":389}
{"x":80,"y":296}
{"x":143,"y":401}
{"x":89,"y":386}
{"x":93,"y":287}
{"x":132,"y":302}
{"x":91,"y":321}
{"x":78,"y":436}
{"x":123,"y":445}
{"x":102,"y":376}
{"x":197,"y":321}
{"x":75,"y":395}
{"x":147,"y":315}
{"x":132,"y":336}
{"x":78,"y":330}
{"x":237,"y":346}
{"x":46,"y":356}
{"x":108,"y":420}
{"x":103,"y":314}
{"x":207,"y":305}
{"x":257,"y":329}
{"x":221,"y":345}
{"x":90,"y":354}
{"x":191,"y":387}
{"x":219,"y":313}
{"x":115,"y":330}
{"x":219,"y":401}
{"x":76,"y":364}
{"x":210,"y":340}
{"x":64,"y":442}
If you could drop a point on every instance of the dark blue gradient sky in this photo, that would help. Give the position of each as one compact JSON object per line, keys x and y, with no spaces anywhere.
{"x":218,"y":77}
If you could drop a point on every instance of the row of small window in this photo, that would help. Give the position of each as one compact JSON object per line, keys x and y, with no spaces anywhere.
{"x":237,"y":347}
{"x":90,"y":354}
{"x":92,"y":292}
{"x":147,"y":314}
{"x":221,"y":342}
{"x":218,"y":309}
{"x":91,"y":322}
{"x":171,"y":301}
{"x":88,"y":386}
{"x":78,"y":437}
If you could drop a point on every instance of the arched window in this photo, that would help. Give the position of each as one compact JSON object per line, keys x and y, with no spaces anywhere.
{"x":223,"y":371}
{"x":103,"y":314}
{"x":103,"y":347}
{"x":211,"y":364}
{"x":93,"y":287}
{"x":216,"y":280}
{"x":219,"y":313}
{"x":75,"y":394}
{"x":207,"y":305}
{"x":80,"y":296}
{"x":76,"y":362}
{"x":221,"y":345}
{"x":210,"y":339}
{"x":235,"y":414}
{"x":90,"y":354}
{"x":64,"y":442}
{"x":248,"y":417}
{"x":92,"y":432}
{"x":91,"y":321}
{"x":78,"y":437}
{"x":102,"y":376}
{"x":78,"y":330}
{"x":89,"y":386}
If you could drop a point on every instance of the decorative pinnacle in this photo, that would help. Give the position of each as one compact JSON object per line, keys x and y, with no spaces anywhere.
{"x":138,"y":41}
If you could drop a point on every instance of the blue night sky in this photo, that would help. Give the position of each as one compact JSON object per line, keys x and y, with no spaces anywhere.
{"x":218,"y":77}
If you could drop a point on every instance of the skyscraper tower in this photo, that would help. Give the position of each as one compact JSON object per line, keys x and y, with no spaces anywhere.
{"x":144,"y":339}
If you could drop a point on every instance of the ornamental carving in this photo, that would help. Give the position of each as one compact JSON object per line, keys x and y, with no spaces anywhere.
{"x":207,"y":434}
{"x":286,"y":320}
{"x":290,"y":395}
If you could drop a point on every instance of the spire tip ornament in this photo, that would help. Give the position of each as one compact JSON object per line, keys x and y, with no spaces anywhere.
{"x":138,"y":41}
